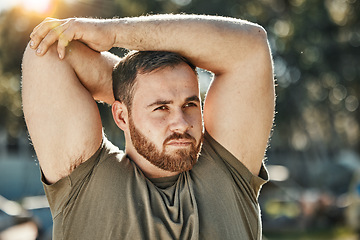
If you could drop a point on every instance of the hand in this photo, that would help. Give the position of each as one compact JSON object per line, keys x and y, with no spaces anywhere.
{"x":93,"y":32}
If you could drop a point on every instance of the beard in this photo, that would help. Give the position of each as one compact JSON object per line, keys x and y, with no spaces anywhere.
{"x":177,"y":161}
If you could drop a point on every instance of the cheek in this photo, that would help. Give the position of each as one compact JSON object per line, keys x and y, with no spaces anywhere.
{"x":197,"y":124}
{"x":198,"y":117}
{"x":148,"y":123}
{"x":156,"y":129}
{"x":157,"y":123}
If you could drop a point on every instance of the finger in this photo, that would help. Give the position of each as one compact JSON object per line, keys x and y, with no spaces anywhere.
{"x":38,"y":35}
{"x":48,"y":19}
{"x":42,"y":30}
{"x":52,"y":36}
{"x":63,"y":42}
{"x":68,"y":35}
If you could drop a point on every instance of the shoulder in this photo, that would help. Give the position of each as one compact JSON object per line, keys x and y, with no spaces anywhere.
{"x":215,"y":153}
{"x":109,"y":155}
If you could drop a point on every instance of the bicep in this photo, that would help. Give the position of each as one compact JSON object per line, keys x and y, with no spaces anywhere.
{"x":62,"y":117}
{"x":239,"y":109}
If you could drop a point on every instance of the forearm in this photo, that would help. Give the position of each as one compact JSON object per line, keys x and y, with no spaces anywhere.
{"x":213,"y":43}
{"x":219,"y":44}
{"x":93,"y":69}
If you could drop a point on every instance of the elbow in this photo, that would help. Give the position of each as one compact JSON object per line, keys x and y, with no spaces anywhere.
{"x":28,"y":62}
{"x":249,"y":38}
{"x":258,"y":35}
{"x":30,"y":66}
{"x":258,"y":44}
{"x":261,"y":32}
{"x":31,"y":62}
{"x":251,"y":42}
{"x":28,"y":57}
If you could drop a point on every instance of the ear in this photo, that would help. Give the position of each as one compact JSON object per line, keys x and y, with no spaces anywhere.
{"x":120,"y":115}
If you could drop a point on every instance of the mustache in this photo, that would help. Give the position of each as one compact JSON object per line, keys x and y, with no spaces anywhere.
{"x":176,"y":136}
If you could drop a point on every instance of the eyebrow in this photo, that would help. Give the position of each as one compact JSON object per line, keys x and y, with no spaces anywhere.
{"x":165,"y":102}
{"x":192,"y":99}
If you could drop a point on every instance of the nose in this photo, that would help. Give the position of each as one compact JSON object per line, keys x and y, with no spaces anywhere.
{"x":179,"y":122}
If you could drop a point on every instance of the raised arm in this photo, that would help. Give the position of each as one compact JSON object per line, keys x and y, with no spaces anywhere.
{"x":59,"y":107}
{"x":239,"y":106}
{"x":205,"y":40}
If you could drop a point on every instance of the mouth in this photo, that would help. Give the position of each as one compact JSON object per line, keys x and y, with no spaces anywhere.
{"x":180,"y":140}
{"x":180,"y":143}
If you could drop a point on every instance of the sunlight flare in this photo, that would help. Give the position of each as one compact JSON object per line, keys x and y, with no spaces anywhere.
{"x":39,"y":6}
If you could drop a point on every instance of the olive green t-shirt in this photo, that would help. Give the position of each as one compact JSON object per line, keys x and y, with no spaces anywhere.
{"x":108,"y":197}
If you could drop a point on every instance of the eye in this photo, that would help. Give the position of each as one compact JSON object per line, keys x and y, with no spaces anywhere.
{"x":161,"y":108}
{"x":190,"y":104}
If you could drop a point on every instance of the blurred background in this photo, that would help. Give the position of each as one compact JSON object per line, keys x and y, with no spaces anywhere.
{"x":313,"y":159}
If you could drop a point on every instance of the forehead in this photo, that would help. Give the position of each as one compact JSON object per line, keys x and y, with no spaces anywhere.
{"x":170,"y":83}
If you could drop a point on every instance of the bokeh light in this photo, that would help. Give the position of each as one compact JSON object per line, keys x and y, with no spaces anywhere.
{"x":39,"y":6}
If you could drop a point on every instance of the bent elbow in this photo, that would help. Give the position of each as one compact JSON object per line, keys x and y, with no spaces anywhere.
{"x":261,"y":32}
{"x":28,"y":59}
{"x":259,"y":36}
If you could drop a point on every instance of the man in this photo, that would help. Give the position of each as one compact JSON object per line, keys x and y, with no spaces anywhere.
{"x":159,"y":188}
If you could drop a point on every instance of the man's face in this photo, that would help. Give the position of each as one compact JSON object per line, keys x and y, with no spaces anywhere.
{"x":165,"y":123}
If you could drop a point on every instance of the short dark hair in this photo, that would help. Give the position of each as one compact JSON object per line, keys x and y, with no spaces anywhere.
{"x":125,"y":72}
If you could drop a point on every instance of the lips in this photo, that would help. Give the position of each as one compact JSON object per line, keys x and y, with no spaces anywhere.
{"x":179,"y":142}
{"x":177,"y":139}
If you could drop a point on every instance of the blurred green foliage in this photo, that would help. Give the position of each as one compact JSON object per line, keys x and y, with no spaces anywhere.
{"x":315,"y":45}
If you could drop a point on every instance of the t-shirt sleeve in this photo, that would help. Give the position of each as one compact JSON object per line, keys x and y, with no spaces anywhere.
{"x":237,"y":168}
{"x":60,"y":193}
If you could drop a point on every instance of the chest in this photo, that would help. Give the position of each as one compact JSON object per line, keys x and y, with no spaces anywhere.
{"x":196,"y":207}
